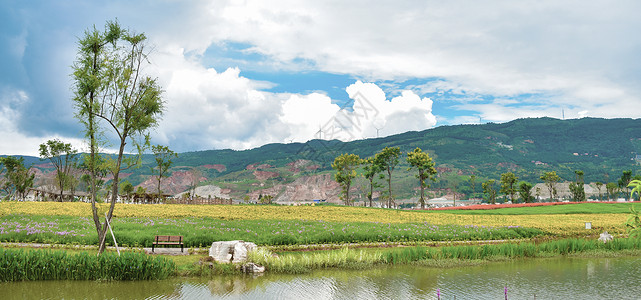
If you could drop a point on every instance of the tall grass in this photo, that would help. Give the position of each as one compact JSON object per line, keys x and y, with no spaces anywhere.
{"x":20,"y":264}
{"x":346,"y":258}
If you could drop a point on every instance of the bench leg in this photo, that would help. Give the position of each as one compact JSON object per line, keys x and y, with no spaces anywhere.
{"x":181,"y":247}
{"x":152,"y":248}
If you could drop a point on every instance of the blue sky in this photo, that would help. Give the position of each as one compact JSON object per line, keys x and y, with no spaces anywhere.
{"x":240,"y":74}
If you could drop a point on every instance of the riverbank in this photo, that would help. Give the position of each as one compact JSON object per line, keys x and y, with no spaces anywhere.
{"x":198,"y":263}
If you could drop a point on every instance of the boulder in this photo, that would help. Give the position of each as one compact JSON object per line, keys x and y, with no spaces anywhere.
{"x":230,"y":251}
{"x":605,"y":237}
{"x":252,"y":268}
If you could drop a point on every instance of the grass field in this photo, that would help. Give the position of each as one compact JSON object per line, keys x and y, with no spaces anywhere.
{"x":278,"y":225}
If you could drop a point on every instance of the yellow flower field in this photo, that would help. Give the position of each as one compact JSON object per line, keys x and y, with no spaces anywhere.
{"x":557,"y":224}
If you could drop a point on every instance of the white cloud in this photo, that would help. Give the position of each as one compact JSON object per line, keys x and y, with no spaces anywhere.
{"x":585,"y":53}
{"x":209,"y":109}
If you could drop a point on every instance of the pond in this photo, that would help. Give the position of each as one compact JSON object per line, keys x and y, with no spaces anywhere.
{"x":553,"y":278}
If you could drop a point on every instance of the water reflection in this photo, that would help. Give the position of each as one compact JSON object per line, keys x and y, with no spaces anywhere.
{"x":557,"y":278}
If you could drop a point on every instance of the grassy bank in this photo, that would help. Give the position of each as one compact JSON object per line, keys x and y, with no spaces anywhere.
{"x":437,"y":256}
{"x":28,"y":264}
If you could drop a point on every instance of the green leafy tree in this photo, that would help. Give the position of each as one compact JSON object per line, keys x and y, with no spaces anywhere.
{"x":576,"y":188}
{"x":63,"y":157}
{"x":111,"y":89}
{"x":423,"y":163}
{"x":127,"y":188}
{"x":18,"y":179}
{"x":345,"y":166}
{"x":599,"y":185}
{"x":612,"y":189}
{"x":163,"y":156}
{"x":623,"y":182}
{"x":490,"y":191}
{"x":472,"y":181}
{"x":508,"y":184}
{"x":370,"y":170}
{"x":550,"y":179}
{"x":525,"y":192}
{"x":387,"y":160}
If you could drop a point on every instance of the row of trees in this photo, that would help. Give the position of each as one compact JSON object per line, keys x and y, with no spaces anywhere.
{"x":510,"y":186}
{"x":382,"y":164}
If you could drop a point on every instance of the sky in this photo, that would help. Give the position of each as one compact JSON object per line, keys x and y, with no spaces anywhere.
{"x":241,"y":74}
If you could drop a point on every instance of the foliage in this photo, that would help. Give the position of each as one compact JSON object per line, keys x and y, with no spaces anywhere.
{"x":550,"y":178}
{"x":633,"y":224}
{"x":490,"y":192}
{"x":386,"y":160}
{"x":22,"y":265}
{"x":63,"y":157}
{"x":163,"y":156}
{"x":508,"y":184}
{"x":358,"y":258}
{"x":426,"y":171}
{"x":525,"y":192}
{"x":599,"y":185}
{"x":577,"y":189}
{"x":613,"y":189}
{"x":199,"y":232}
{"x":345,"y":166}
{"x":623,"y":182}
{"x":111,"y":87}
{"x":17,"y":178}
{"x":370,"y":170}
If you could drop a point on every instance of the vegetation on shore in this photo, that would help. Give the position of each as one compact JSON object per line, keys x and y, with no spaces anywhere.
{"x":28,"y":264}
{"x":436,"y":256}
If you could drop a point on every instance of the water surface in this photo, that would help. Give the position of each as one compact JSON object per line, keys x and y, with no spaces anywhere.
{"x":554,"y":278}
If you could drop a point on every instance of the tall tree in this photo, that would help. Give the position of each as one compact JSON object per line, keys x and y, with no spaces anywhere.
{"x":599,"y":185}
{"x":110,"y":87}
{"x":472,"y":183}
{"x":17,"y":178}
{"x":623,"y":182}
{"x":370,"y":170}
{"x":387,"y":160}
{"x":488,"y":189}
{"x":425,"y":166}
{"x":612,"y":188}
{"x":62,"y":156}
{"x":508,"y":184}
{"x":525,"y":192}
{"x":127,"y":188}
{"x":345,"y":166}
{"x":163,"y":156}
{"x":577,"y":190}
{"x":550,"y":179}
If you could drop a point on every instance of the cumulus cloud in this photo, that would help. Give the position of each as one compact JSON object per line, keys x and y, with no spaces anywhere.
{"x":209,"y":109}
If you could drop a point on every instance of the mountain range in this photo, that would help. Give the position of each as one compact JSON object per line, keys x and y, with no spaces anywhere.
{"x":601,"y":148}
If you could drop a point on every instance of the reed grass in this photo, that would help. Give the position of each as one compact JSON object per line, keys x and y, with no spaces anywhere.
{"x":26,"y":265}
{"x":352,"y":258}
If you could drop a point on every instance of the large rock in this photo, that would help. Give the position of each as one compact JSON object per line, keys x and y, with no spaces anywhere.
{"x":252,"y":268}
{"x":230,"y":251}
{"x":605,"y":237}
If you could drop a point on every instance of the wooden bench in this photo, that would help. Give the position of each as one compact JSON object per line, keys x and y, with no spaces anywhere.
{"x":168,"y":240}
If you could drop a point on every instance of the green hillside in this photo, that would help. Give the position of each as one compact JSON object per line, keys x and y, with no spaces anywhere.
{"x":597,"y":146}
{"x":602,"y":148}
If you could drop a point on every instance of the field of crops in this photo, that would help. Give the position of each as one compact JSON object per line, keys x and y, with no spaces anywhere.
{"x":199,"y":232}
{"x":307,"y":224}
